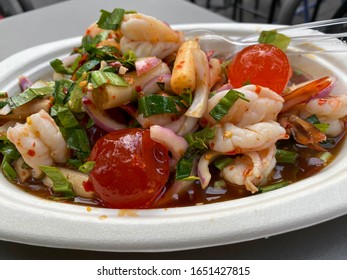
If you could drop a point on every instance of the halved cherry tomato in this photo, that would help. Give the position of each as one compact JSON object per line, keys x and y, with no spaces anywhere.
{"x":130,"y":168}
{"x":260,"y":64}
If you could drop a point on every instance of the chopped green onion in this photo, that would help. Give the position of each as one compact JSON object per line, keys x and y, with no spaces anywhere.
{"x":184,"y":167}
{"x":60,"y":183}
{"x":74,"y":162}
{"x":200,"y":138}
{"x":66,"y":118}
{"x":61,"y":90}
{"x":111,"y":21}
{"x":106,"y":52}
{"x":10,"y":153}
{"x":323,"y":127}
{"x":99,"y":78}
{"x":220,"y":184}
{"x":3,"y":104}
{"x":75,"y":99}
{"x":87,"y":166}
{"x":9,"y":150}
{"x":128,"y":59}
{"x":156,"y":104}
{"x":28,"y":95}
{"x":313,"y":119}
{"x":187,"y":96}
{"x":90,"y":123}
{"x":274,"y":186}
{"x":8,"y":170}
{"x":3,"y":94}
{"x":197,"y":145}
{"x":325,"y":156}
{"x":222,"y":162}
{"x":87,"y":67}
{"x":286,"y":156}
{"x":76,"y":139}
{"x":224,"y":105}
{"x":59,"y":67}
{"x":272,"y":37}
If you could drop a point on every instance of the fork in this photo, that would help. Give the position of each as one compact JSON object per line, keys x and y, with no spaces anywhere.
{"x":226,"y":45}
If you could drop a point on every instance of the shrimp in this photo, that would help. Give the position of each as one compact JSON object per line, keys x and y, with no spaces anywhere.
{"x":39,"y":141}
{"x":330,"y":110}
{"x":232,"y":139}
{"x":148,"y":36}
{"x":260,"y":104}
{"x":44,"y":126}
{"x":332,"y":107}
{"x":304,"y":92}
{"x":29,"y":145}
{"x":251,"y":168}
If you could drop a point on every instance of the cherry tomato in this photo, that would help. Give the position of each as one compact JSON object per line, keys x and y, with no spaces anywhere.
{"x":130,"y":168}
{"x":260,"y":64}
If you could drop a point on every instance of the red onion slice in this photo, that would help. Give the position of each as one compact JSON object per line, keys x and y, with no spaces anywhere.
{"x":152,"y":85}
{"x":143,"y":65}
{"x":100,"y":117}
{"x":177,"y":145}
{"x":24,"y":82}
{"x":202,"y":90}
{"x":224,"y":87}
{"x":203,"y":169}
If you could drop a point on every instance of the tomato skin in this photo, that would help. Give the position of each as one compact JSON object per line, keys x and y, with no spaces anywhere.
{"x":260,"y":64}
{"x":130,"y":168}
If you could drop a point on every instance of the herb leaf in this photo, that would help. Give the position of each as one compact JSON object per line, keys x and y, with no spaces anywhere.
{"x":224,"y":105}
{"x":156,"y":104}
{"x":60,"y":183}
{"x":111,"y":21}
{"x":197,"y":146}
{"x":272,"y":37}
{"x":28,"y":95}
{"x":99,"y":78}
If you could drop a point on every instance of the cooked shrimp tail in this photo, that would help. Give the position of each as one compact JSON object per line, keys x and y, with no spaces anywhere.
{"x":307,"y":91}
{"x":303,"y":132}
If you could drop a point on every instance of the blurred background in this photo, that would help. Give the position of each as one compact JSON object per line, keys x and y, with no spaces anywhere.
{"x":262,"y":11}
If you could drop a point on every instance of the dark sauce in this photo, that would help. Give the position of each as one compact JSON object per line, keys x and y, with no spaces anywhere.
{"x":307,"y":164}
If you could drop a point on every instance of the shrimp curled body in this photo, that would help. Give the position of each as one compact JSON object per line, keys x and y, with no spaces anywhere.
{"x":147,"y":36}
{"x":330,"y":110}
{"x":251,"y":168}
{"x":261,"y":104}
{"x":232,"y":139}
{"x":39,"y":141}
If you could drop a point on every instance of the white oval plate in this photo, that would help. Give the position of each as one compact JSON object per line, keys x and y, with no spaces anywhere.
{"x":31,"y":220}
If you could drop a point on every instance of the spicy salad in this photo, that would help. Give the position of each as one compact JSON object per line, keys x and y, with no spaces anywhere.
{"x":138,"y":116}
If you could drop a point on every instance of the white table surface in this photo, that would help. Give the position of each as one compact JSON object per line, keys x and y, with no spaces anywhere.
{"x":68,"y":19}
